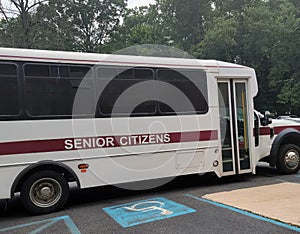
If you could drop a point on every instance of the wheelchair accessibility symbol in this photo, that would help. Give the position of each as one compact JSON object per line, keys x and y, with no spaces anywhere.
{"x":153,"y":205}
{"x":146,"y":211}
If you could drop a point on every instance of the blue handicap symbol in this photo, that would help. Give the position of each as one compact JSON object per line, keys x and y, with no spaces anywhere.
{"x":44,"y":224}
{"x":135,"y":213}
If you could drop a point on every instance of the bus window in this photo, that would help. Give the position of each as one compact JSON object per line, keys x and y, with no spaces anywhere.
{"x":74,"y":72}
{"x":125,"y":81}
{"x":9,"y":90}
{"x":193,"y":85}
{"x":50,"y":89}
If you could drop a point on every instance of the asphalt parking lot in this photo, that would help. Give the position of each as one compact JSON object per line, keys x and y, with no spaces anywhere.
{"x":98,"y":210}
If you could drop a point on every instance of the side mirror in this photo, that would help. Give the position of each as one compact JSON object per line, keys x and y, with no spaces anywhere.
{"x":267,"y":119}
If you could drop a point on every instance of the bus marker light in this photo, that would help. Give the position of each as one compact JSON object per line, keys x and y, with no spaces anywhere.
{"x":216,"y":163}
{"x":83,"y":166}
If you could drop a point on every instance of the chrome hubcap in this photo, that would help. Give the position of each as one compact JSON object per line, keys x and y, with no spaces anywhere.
{"x":292,"y":159}
{"x":45,"y":192}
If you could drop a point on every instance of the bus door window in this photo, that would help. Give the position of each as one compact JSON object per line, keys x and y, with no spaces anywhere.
{"x":242,"y":125}
{"x":225,"y":126}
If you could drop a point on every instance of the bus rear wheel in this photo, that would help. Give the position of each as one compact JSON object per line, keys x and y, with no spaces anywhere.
{"x":288,"y":161}
{"x":44,"y":192}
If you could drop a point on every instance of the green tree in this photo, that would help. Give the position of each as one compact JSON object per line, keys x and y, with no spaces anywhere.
{"x":260,"y":34}
{"x":78,"y":25}
{"x":169,"y":22}
{"x":17,"y":27}
{"x":184,"y":21}
{"x":140,"y":26}
{"x":219,"y":41}
{"x":85,"y":25}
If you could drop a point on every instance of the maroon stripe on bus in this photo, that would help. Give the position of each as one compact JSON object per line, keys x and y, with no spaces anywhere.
{"x":264,"y":131}
{"x":194,"y":136}
{"x":56,"y":145}
{"x":278,"y":130}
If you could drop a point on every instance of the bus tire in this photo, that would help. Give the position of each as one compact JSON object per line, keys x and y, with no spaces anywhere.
{"x":288,"y":161}
{"x":44,"y":192}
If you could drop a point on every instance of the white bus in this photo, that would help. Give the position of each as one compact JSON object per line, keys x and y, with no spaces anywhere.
{"x":111,"y":119}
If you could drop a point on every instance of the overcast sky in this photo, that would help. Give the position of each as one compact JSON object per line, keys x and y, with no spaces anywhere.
{"x":134,"y":3}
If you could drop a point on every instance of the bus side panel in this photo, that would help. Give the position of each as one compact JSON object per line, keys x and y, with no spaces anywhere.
{"x":7,"y":178}
{"x":124,"y":169}
{"x":264,"y":147}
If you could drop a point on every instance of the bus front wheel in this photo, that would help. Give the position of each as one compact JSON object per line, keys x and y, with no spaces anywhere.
{"x":44,"y":192}
{"x":288,"y":161}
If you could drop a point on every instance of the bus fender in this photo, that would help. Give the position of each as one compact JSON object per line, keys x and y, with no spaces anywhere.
{"x":287,"y":136}
{"x":58,"y":166}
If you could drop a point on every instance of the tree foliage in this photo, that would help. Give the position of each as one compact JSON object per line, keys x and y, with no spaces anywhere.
{"x":19,"y":31}
{"x":263,"y":35}
{"x":79,"y":25}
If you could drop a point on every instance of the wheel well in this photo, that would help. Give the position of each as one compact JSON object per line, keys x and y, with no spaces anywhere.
{"x":287,"y":136}
{"x":60,"y":168}
{"x":291,"y":140}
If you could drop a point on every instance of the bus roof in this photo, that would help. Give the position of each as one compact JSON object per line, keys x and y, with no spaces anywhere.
{"x":112,"y":59}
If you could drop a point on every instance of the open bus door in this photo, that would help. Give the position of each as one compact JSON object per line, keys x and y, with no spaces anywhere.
{"x":234,"y":127}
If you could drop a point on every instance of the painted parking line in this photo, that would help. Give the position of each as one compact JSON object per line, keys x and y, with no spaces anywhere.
{"x":145,"y":211}
{"x":278,"y":223}
{"x":46,"y":224}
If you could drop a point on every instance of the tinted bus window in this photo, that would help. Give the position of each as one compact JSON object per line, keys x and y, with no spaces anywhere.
{"x":50,"y":90}
{"x":9,"y":90}
{"x":40,"y":71}
{"x":126,"y":91}
{"x":183,"y":91}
